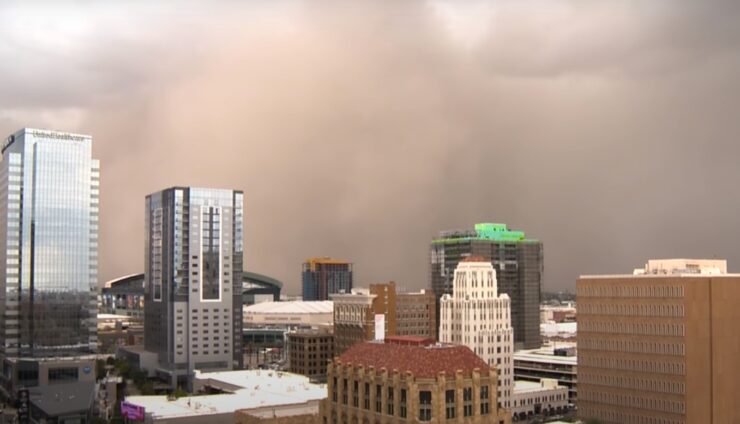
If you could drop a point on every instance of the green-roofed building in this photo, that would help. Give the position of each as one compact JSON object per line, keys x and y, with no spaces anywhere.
{"x":518,"y":262}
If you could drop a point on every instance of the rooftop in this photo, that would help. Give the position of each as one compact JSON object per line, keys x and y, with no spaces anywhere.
{"x":293,"y":307}
{"x":255,"y":389}
{"x":66,"y":398}
{"x":483,"y":231}
{"x":545,"y":355}
{"x":421,"y":361}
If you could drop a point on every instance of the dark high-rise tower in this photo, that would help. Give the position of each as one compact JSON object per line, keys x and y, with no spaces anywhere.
{"x":325,"y":276}
{"x":519,"y":265}
{"x":194,"y":254}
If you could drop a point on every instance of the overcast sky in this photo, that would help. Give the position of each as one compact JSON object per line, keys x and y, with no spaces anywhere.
{"x":358,"y":130}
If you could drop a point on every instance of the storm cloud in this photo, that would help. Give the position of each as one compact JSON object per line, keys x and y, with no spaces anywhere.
{"x":606,"y":129}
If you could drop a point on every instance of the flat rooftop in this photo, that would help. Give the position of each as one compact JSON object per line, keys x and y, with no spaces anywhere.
{"x":545,"y":355}
{"x":254,"y":389}
{"x":521,"y":386}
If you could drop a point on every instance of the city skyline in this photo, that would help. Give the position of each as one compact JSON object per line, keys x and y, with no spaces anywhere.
{"x":604,"y":129}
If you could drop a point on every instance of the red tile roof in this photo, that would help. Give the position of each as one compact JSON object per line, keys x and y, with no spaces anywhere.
{"x":409,"y":340}
{"x":422,"y":361}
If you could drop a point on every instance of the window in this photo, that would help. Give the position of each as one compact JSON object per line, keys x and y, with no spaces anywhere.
{"x":344,"y":391}
{"x":378,"y":398}
{"x":402,"y":404}
{"x":484,"y":406}
{"x":356,"y":394}
{"x":390,"y":401}
{"x":468,"y":401}
{"x":57,"y":375}
{"x":425,"y":405}
{"x":366,"y":396}
{"x":450,"y":404}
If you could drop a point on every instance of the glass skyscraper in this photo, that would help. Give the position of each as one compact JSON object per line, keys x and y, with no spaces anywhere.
{"x":194,"y":253}
{"x":49,"y":232}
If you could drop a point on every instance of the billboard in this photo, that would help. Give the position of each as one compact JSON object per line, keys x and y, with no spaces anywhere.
{"x":131,"y":411}
{"x":379,"y":327}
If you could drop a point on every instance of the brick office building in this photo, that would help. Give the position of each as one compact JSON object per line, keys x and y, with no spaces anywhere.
{"x":395,"y":383}
{"x":309,"y":352}
{"x":416,"y":314}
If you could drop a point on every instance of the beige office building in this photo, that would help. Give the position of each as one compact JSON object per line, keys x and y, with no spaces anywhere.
{"x":416,"y":314}
{"x":660,"y":346}
{"x":355,"y":315}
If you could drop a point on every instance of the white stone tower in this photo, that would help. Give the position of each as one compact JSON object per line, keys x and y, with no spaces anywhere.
{"x":476,"y":316}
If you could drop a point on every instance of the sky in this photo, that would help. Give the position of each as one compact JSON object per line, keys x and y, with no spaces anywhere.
{"x":360,"y":129}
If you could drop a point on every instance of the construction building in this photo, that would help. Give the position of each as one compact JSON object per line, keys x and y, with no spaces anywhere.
{"x":518,"y":262}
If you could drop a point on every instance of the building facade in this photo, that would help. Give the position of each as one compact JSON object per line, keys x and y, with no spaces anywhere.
{"x":392,"y":383}
{"x":660,"y":346}
{"x":477,"y":316}
{"x":544,"y":398}
{"x":323,"y":277}
{"x":194,"y":253}
{"x":359,"y":315}
{"x":416,"y":314}
{"x":124,"y":296}
{"x":309,"y":352}
{"x":519,"y":266}
{"x":49,"y":197}
{"x":556,"y":363}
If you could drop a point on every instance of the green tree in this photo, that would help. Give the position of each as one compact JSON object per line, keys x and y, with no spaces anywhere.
{"x":147,"y":388}
{"x":179,"y":392}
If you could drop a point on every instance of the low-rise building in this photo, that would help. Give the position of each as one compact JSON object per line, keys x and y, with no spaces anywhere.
{"x":545,"y":397}
{"x":309,"y":352}
{"x":298,"y":415}
{"x":395,"y":383}
{"x":558,"y":362}
{"x":260,"y":392}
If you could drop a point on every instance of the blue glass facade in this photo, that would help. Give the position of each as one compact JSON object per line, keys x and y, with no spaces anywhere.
{"x":322,"y":278}
{"x":49,"y":207}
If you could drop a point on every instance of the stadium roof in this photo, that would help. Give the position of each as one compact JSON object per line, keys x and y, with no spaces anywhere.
{"x":296,"y":307}
{"x":261,"y":278}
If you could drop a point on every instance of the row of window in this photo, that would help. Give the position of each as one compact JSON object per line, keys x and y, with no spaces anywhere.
{"x":656,"y":367}
{"x":649,"y":329}
{"x":633,"y":401}
{"x":668,"y":310}
{"x":631,"y":382}
{"x":626,"y":417}
{"x":631,"y":346}
{"x":425,"y":400}
{"x":612,"y":290}
{"x":558,"y":397}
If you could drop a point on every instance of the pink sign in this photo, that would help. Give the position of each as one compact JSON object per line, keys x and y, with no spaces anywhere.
{"x":132,"y":412}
